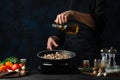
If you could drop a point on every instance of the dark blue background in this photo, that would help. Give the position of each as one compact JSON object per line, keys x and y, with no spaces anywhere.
{"x":111,"y":32}
{"x":25,"y":26}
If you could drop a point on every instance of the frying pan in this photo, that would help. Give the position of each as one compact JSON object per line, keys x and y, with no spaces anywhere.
{"x":69,"y":53}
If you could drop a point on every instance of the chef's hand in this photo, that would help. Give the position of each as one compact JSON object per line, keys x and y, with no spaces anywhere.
{"x":52,"y":42}
{"x":64,"y":17}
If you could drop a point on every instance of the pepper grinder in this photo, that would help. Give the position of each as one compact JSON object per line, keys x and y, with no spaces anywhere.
{"x":112,"y":53}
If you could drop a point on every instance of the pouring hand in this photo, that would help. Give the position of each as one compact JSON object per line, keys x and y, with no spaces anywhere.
{"x":52,"y":42}
{"x":64,"y":17}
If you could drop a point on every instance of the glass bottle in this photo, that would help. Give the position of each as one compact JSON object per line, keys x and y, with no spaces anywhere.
{"x":70,"y":28}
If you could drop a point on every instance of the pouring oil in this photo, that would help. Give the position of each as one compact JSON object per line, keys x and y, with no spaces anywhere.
{"x":67,"y":28}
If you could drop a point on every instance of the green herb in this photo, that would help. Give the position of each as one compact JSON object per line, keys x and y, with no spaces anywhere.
{"x":11,"y":59}
{"x":0,"y":63}
{"x":89,"y":69}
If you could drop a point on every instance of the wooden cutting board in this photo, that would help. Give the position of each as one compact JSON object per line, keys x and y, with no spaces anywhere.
{"x":11,"y":74}
{"x":88,"y":73}
{"x":117,"y":74}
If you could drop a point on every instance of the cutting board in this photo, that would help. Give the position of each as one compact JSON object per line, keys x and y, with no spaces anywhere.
{"x":117,"y":74}
{"x":11,"y":74}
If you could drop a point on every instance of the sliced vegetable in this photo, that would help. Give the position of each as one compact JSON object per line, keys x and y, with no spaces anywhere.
{"x":3,"y":68}
{"x":17,"y":70}
{"x":21,"y":64}
{"x":15,"y":66}
{"x":23,"y":67}
{"x":9,"y":64}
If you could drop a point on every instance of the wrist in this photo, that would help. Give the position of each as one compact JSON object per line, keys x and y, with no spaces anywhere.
{"x":55,"y":37}
{"x":71,"y":14}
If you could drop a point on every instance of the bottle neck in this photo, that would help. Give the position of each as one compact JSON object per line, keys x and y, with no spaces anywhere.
{"x":65,"y":26}
{"x":56,"y":25}
{"x":59,"y":26}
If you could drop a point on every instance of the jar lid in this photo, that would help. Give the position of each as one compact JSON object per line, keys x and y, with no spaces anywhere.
{"x":23,"y":60}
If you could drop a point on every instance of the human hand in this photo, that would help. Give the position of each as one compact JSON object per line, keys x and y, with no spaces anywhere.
{"x":64,"y":17}
{"x":52,"y":42}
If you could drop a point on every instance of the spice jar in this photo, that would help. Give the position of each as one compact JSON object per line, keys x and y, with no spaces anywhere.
{"x":23,"y":61}
{"x":86,"y":63}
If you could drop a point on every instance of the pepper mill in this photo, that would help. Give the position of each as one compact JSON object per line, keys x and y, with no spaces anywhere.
{"x":112,"y":53}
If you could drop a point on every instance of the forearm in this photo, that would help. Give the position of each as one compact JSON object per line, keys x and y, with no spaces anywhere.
{"x":84,"y":18}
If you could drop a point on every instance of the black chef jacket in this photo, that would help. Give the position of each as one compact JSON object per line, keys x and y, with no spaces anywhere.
{"x":84,"y":43}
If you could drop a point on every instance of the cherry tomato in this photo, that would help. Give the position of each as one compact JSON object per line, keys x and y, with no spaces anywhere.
{"x":3,"y":68}
{"x":21,"y":64}
{"x":15,"y":66}
{"x":9,"y":64}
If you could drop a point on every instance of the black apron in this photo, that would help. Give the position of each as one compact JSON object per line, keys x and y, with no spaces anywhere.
{"x":84,"y":43}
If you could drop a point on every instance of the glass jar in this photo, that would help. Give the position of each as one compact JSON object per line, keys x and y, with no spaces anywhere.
{"x":86,"y":63}
{"x":23,"y":61}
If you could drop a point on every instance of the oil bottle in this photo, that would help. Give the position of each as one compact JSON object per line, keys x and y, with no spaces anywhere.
{"x":70,"y":28}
